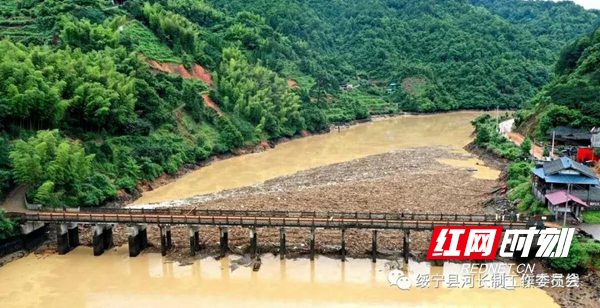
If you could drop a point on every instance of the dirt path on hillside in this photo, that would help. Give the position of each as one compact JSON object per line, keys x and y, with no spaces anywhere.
{"x":517,"y":138}
{"x":14,"y":201}
{"x":506,"y":130}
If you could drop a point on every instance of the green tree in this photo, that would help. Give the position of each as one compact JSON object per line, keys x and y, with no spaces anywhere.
{"x":483,"y":135}
{"x":5,"y":168}
{"x":258,"y":95}
{"x":578,"y":257}
{"x":526,"y":148}
{"x":59,"y":171}
{"x":7,"y":226}
{"x":229,"y":136}
{"x":87,"y":36}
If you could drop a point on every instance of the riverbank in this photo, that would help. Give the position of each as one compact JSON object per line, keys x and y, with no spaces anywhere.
{"x":125,"y":198}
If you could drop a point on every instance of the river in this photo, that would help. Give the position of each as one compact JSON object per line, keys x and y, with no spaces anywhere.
{"x":450,"y":129}
{"x":78,"y":279}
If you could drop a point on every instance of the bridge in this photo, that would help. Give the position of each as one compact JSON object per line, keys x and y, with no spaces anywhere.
{"x":103,"y":219}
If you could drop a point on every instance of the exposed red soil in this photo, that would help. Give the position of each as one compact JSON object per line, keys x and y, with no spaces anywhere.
{"x":292,"y":84}
{"x":210,"y":103}
{"x":265,"y":144}
{"x":202,"y":73}
{"x":197,"y":72}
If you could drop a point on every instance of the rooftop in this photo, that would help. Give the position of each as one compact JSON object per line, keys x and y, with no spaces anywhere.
{"x":592,"y":196}
{"x":565,"y":178}
{"x":563,"y":163}
{"x":563,"y":132}
{"x":562,"y":196}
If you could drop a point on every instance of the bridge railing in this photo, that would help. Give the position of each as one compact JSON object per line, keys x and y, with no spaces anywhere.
{"x":247,"y":221}
{"x":329,"y":215}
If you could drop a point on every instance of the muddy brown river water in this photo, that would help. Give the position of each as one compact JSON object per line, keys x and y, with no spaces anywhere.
{"x":451,"y":129}
{"x":78,"y":279}
{"x":114,"y":280}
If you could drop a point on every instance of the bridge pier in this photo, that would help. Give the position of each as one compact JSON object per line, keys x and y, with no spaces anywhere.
{"x":312,"y":243}
{"x":282,"y":243}
{"x":108,"y":237}
{"x":440,"y":263}
{"x":98,"y":240}
{"x":32,"y":234}
{"x":135,"y":240}
{"x":143,"y":235}
{"x":405,"y":250}
{"x":194,"y":240}
{"x":165,"y":239}
{"x":343,"y":245}
{"x":224,"y":240}
{"x":197,"y":239}
{"x":253,"y":242}
{"x":73,"y":234}
{"x":62,"y":238}
{"x":374,"y":247}
{"x":169,"y":239}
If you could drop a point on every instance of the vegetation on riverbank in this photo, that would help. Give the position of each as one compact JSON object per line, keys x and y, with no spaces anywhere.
{"x":584,"y":254}
{"x":7,"y":226}
{"x":570,"y":99}
{"x":519,"y":169}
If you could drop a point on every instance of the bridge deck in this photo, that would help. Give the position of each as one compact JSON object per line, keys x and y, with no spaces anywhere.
{"x":316,"y":221}
{"x":297,"y":214}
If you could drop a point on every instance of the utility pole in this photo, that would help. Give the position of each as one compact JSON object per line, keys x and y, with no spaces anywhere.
{"x":552,"y":150}
{"x":497,"y":118}
{"x":567,"y":204}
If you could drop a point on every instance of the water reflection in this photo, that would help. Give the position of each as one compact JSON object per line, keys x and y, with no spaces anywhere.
{"x":114,"y":280}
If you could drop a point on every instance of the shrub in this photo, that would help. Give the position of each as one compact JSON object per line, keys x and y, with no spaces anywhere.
{"x":584,"y":253}
{"x":8,"y":227}
{"x":483,"y":136}
{"x":591,"y":217}
{"x":526,"y":148}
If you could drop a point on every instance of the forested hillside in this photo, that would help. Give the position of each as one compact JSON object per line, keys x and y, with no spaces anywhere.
{"x":573,"y":97}
{"x":553,"y":23}
{"x":87,"y":110}
{"x":444,"y":54}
